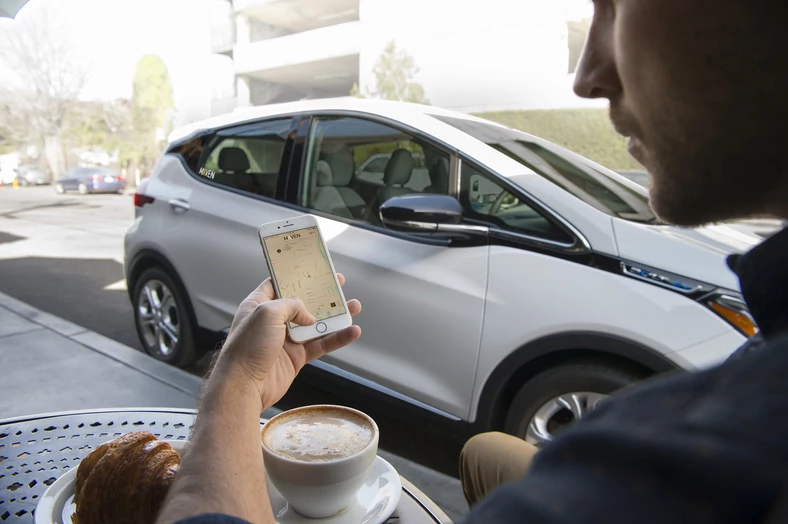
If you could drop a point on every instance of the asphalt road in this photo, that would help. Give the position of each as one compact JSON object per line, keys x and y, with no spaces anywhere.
{"x":63,"y":254}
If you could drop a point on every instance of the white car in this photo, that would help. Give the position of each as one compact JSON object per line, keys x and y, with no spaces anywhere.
{"x":517,"y":289}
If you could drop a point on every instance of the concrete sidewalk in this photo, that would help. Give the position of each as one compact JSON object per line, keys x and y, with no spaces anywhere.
{"x":48,"y":364}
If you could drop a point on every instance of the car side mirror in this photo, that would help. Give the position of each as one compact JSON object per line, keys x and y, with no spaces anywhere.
{"x":425,"y":213}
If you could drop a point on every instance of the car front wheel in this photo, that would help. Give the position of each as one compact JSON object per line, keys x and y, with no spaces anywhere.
{"x":162,"y":319}
{"x":59,"y":189}
{"x":557,"y":397}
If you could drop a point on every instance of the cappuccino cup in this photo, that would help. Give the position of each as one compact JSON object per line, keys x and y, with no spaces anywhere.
{"x":318,"y":457}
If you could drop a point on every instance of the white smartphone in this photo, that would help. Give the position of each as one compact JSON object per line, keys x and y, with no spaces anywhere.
{"x":300,"y":266}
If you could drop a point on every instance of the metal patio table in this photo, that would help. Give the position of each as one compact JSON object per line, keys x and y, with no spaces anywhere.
{"x":35,"y":450}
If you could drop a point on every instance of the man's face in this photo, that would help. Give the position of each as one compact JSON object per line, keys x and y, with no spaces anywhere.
{"x":701,"y":88}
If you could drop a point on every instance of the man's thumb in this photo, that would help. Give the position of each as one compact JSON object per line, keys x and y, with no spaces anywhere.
{"x":295,"y":311}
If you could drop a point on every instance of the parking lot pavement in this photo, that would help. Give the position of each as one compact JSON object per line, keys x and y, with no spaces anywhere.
{"x":63,"y":255}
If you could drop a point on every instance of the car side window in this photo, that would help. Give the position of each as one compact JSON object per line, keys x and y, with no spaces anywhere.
{"x":373,"y":168}
{"x":354,"y":165}
{"x":483,"y":198}
{"x":247,"y":157}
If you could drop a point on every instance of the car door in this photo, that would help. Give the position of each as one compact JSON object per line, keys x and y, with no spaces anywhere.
{"x":69,"y":180}
{"x":423,"y":300}
{"x":210,"y":233}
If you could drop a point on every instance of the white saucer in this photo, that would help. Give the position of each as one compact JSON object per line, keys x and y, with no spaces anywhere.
{"x":374,"y":504}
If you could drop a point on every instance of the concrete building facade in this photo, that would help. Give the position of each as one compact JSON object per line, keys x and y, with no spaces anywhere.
{"x":471,"y":55}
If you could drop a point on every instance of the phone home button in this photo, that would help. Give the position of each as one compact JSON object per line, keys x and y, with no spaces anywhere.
{"x":321,"y":327}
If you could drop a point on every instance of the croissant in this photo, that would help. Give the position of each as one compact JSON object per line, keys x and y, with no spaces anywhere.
{"x":125,"y":481}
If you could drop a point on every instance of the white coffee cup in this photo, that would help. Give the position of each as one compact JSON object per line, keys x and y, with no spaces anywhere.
{"x":310,"y":463}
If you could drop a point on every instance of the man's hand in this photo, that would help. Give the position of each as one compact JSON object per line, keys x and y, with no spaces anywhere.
{"x":223,"y":472}
{"x":259,"y":351}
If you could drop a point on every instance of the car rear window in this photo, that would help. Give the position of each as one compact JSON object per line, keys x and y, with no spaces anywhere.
{"x":247,"y":157}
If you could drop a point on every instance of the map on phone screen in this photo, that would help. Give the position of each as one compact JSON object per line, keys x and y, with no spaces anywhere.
{"x":301,"y":269}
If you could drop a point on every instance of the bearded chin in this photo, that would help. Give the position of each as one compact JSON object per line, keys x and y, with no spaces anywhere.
{"x":673,"y":208}
{"x":691,"y":198}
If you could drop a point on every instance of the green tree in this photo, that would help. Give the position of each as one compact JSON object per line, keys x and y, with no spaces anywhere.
{"x":394,"y":77}
{"x":356,"y":91}
{"x":151,"y":111}
{"x":45,"y":78}
{"x":16,"y":130}
{"x":95,"y":124}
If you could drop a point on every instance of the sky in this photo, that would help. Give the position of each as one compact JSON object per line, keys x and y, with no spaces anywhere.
{"x":112,"y":35}
{"x":577,"y":9}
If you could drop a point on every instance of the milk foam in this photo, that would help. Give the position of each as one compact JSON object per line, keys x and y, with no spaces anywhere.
{"x":317,"y":437}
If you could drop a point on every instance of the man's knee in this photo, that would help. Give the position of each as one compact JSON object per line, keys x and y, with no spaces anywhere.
{"x":497,"y":447}
{"x":490,"y":459}
{"x":481,"y":448}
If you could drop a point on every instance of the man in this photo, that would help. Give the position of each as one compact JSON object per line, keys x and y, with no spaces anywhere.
{"x":681,"y":76}
{"x":699,"y":87}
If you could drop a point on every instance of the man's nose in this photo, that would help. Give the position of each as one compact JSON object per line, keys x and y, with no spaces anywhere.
{"x":597,"y":76}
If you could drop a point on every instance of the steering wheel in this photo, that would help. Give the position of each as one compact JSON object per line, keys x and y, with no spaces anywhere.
{"x":496,"y":207}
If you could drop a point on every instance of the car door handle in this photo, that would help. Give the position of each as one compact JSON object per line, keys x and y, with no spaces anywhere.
{"x":179,"y":206}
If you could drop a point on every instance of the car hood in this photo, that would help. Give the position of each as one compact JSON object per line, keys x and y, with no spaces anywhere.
{"x":697,"y":253}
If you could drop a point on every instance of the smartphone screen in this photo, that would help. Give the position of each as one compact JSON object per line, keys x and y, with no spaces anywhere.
{"x":300,"y":266}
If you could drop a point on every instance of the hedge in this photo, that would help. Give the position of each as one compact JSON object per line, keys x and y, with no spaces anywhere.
{"x":585,"y":131}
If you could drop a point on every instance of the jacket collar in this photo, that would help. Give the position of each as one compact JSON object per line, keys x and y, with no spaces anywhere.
{"x":763,"y":274}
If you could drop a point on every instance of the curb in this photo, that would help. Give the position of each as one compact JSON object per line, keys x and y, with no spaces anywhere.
{"x":168,"y":375}
{"x":164,"y":373}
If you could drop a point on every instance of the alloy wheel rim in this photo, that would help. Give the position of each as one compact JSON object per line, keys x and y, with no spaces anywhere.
{"x":558,"y":413}
{"x":158,"y":318}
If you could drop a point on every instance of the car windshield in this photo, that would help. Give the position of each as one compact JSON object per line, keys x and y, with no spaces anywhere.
{"x":600,"y":188}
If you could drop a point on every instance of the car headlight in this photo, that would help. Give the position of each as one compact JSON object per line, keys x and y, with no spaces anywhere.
{"x":734,"y":311}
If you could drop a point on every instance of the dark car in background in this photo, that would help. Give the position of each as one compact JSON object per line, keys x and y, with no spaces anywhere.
{"x":91,"y":180}
{"x":31,"y":175}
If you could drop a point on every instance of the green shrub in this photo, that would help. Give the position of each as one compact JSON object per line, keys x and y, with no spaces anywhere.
{"x":587,"y":132}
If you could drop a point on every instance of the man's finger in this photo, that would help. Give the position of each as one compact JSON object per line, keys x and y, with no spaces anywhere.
{"x":354,"y":306}
{"x":317,"y":348}
{"x":279,"y":312}
{"x":262,"y":293}
{"x":267,"y":289}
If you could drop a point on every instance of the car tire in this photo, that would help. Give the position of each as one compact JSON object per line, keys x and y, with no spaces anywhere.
{"x":156,"y":290}
{"x":556,"y":397}
{"x":59,"y":189}
{"x":83,"y":189}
